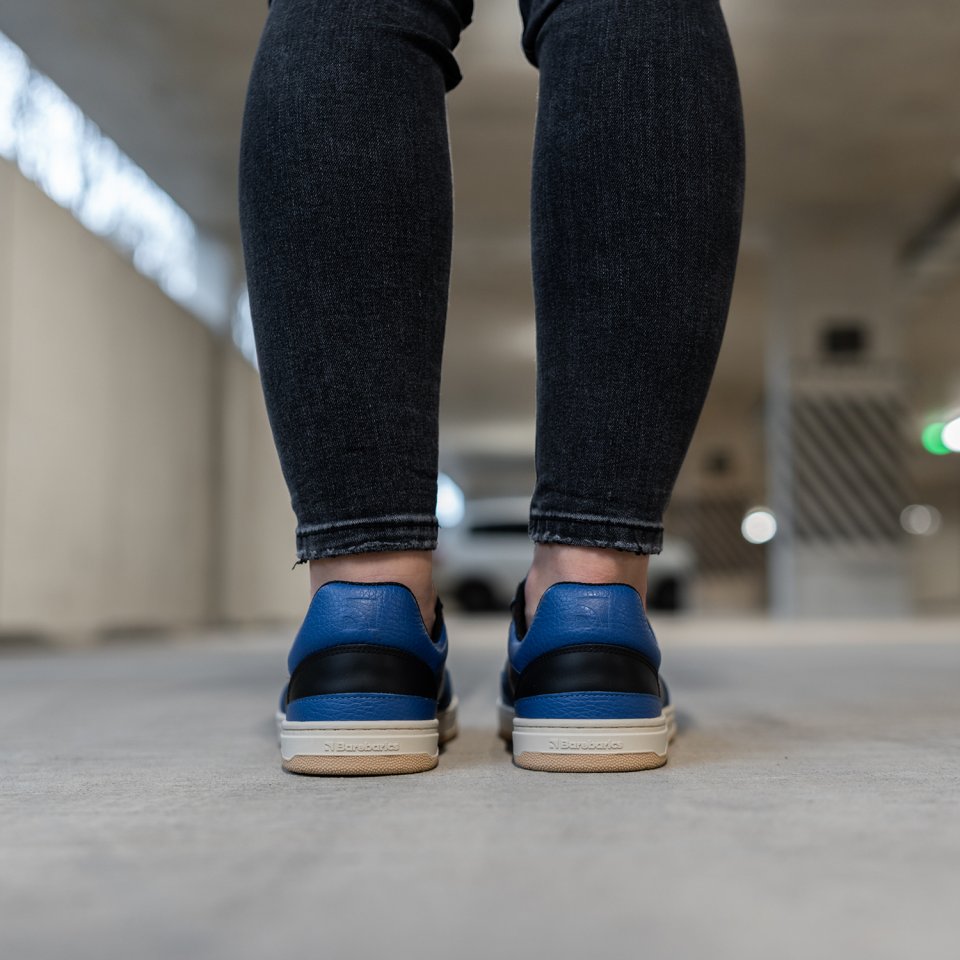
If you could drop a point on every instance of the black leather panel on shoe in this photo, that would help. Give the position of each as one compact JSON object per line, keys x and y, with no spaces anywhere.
{"x":363,"y":668}
{"x":445,"y":693}
{"x":592,"y":666}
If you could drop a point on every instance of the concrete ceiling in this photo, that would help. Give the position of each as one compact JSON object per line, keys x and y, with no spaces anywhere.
{"x":852,"y":119}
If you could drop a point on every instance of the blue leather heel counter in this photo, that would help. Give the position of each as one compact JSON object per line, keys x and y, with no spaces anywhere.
{"x":354,"y":707}
{"x":589,"y":705}
{"x":575,"y":613}
{"x":386,"y":614}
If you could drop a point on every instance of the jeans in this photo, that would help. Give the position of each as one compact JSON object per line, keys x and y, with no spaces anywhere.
{"x":346,"y":199}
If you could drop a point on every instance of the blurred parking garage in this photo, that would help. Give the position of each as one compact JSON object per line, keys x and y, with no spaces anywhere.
{"x":132,"y":433}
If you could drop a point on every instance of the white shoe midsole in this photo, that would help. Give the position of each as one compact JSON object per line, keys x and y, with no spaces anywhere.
{"x":586,"y":736}
{"x":447,"y":720}
{"x":670,"y":713}
{"x":307,"y":738}
{"x":339,"y":738}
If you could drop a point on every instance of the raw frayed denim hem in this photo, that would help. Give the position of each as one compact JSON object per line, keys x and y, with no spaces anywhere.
{"x":587,"y":530}
{"x":375,"y":534}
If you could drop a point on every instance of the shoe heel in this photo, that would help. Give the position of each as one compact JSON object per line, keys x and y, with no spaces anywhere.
{"x":591,"y":746}
{"x":365,"y":748}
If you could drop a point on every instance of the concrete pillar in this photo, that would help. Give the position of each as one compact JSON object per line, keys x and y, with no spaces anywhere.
{"x":835,"y":429}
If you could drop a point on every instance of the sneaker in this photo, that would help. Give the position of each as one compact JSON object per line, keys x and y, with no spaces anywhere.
{"x":369,"y":692}
{"x":581,"y":689}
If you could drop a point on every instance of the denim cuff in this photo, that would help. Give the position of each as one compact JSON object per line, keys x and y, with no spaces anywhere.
{"x":406,"y":532}
{"x":589,"y":530}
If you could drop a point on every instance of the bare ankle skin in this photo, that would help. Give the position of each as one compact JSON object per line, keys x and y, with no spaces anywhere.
{"x":556,"y":562}
{"x":412,"y":568}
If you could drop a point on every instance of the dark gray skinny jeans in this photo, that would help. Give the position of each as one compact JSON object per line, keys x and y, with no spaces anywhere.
{"x":346,"y":200}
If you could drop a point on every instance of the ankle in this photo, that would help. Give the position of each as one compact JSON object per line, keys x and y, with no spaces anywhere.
{"x":412,"y":568}
{"x":557,"y":562}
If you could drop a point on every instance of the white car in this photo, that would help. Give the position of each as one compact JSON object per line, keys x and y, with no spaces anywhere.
{"x":480,"y":561}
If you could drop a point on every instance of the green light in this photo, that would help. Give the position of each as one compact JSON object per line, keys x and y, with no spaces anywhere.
{"x":931,"y":440}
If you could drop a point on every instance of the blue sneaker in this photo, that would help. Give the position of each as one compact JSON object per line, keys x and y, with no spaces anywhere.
{"x":581,"y":689}
{"x":369,"y":692}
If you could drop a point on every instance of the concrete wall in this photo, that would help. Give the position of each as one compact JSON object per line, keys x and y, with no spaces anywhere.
{"x":138,"y":484}
{"x":257,"y":527}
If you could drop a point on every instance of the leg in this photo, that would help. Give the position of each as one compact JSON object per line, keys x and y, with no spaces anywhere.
{"x":637,"y":196}
{"x":346,"y":214}
{"x":346,"y":210}
{"x":635,"y":217}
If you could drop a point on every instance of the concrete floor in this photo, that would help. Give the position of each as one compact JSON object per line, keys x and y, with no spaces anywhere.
{"x":809,"y":809}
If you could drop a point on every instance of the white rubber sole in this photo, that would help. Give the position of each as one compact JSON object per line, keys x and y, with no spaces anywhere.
{"x":364,"y":748}
{"x":588,"y":746}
